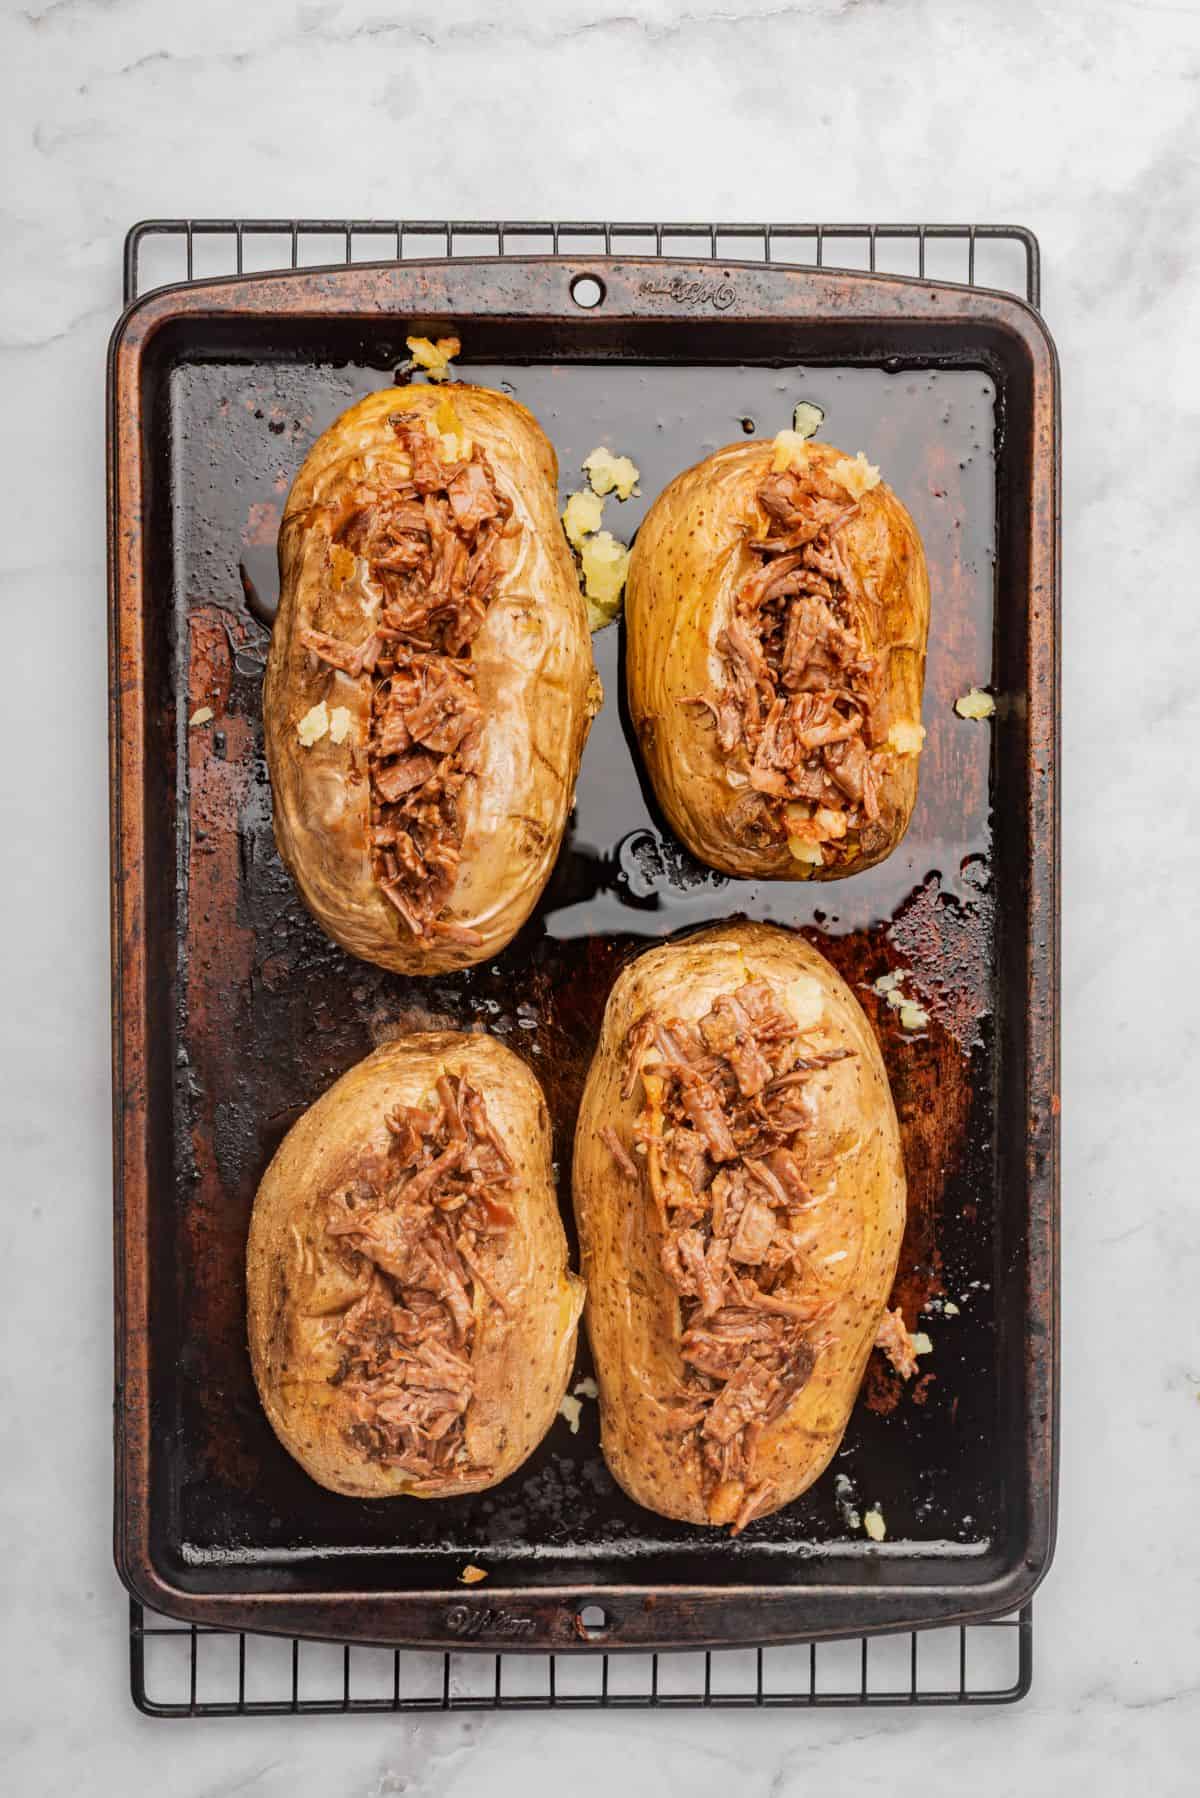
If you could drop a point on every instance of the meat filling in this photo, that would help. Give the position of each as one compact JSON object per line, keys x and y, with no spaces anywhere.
{"x":796,"y":714}
{"x":897,"y":1343}
{"x":718,"y":1135}
{"x":431,"y":546}
{"x":425,"y":1220}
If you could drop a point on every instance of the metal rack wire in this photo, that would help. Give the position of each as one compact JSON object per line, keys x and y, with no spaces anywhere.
{"x":183,"y":1670}
{"x":1003,"y":256}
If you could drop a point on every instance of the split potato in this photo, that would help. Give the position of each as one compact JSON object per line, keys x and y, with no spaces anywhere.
{"x":412,"y":1318}
{"x":776,"y":615}
{"x":740,"y":1196}
{"x":430,"y":683}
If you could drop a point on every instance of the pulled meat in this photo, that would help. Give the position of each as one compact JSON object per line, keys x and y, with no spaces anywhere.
{"x":718,"y":1135}
{"x":431,"y":546}
{"x":795,"y":715}
{"x":422,"y":1220}
{"x":897,"y":1343}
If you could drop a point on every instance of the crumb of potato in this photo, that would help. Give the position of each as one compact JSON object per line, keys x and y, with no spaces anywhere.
{"x":791,"y":451}
{"x":452,"y":448}
{"x":921,"y":1344}
{"x":843,"y":1491}
{"x":807,"y":419}
{"x":203,"y":714}
{"x":605,"y":565}
{"x":434,"y":358}
{"x":586,"y":1387}
{"x":570,"y":1408}
{"x":808,"y":853}
{"x":913,"y":1017}
{"x":975,"y":704}
{"x":471,"y":1575}
{"x":340,"y":721}
{"x":582,"y":516}
{"x":314,"y":724}
{"x":342,"y":565}
{"x":905,"y":737}
{"x":949,"y":1309}
{"x":874,"y":1525}
{"x":448,"y":431}
{"x":856,"y":474}
{"x":611,"y":474}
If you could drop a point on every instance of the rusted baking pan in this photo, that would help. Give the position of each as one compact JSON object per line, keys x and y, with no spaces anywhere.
{"x":232,"y":1011}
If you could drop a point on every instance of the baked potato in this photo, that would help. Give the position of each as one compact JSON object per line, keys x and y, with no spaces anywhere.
{"x":411,"y":1315}
{"x":430,"y":682}
{"x":777,"y":609}
{"x":739,"y":1190}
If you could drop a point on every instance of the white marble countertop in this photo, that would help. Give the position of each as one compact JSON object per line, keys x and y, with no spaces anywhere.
{"x":1079,"y":118}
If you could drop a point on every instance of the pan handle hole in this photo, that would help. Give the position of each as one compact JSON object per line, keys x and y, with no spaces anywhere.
{"x":587,"y":291}
{"x":592,"y":1620}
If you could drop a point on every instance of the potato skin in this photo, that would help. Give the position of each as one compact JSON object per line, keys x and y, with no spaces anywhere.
{"x":632,"y":1312}
{"x":688,"y":562}
{"x":298,"y":1291}
{"x":533,"y":670}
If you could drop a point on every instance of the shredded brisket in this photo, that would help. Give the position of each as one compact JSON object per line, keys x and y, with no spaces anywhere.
{"x":431,"y":546}
{"x":897,"y":1344}
{"x":719,"y":1139}
{"x":422,"y":1219}
{"x":796,"y":713}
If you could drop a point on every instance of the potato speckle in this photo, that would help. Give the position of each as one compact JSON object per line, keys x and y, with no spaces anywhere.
{"x":340,"y":721}
{"x":874,"y":1525}
{"x":434,"y":358}
{"x":570,"y":1408}
{"x":314,"y":724}
{"x":611,"y":474}
{"x":975,"y":704}
{"x":471,"y":1575}
{"x":203,"y":714}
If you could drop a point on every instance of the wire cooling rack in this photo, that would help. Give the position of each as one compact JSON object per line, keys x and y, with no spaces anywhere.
{"x":160,"y":251}
{"x":184,"y":1670}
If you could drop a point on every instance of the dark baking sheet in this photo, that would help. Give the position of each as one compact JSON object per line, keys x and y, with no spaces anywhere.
{"x":245,"y":1012}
